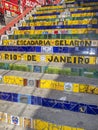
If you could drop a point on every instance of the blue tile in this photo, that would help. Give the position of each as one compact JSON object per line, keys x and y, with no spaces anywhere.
{"x":58,"y":105}
{"x":74,"y":106}
{"x":66,"y":105}
{"x":92,"y":109}
{"x":63,"y":49}
{"x":22,"y":98}
{"x":48,"y":102}
{"x":38,"y":49}
{"x":14,"y":97}
{"x":36,"y":100}
{"x":37,"y":69}
{"x":6,"y":96}
{"x":55,"y":50}
{"x":0,"y":95}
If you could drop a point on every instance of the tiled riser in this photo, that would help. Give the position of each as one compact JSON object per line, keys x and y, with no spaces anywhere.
{"x":49,"y":84}
{"x":52,"y":103}
{"x":48,"y":58}
{"x":68,"y":71}
{"x":90,"y":51}
{"x":36,"y":124}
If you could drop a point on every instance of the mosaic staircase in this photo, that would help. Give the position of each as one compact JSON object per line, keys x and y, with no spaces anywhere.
{"x":49,"y":69}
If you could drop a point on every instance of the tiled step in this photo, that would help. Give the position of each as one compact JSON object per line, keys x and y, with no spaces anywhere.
{"x":51,"y":64}
{"x":51,"y":42}
{"x":51,"y":68}
{"x":77,"y":51}
{"x":38,"y":11}
{"x":47,"y":58}
{"x":85,"y":98}
{"x":83,"y":103}
{"x":88,"y":122}
{"x":7,"y":126}
{"x":91,"y":36}
{"x":40,"y":109}
{"x":56,"y":77}
{"x":26,"y":79}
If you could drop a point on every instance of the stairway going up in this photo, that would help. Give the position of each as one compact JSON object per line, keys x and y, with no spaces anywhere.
{"x":49,"y":69}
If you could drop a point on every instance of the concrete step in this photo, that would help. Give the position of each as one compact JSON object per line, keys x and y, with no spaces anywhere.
{"x":60,"y":69}
{"x":56,"y":77}
{"x":59,"y":65}
{"x":65,"y":118}
{"x":6,"y":126}
{"x":59,"y":96}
